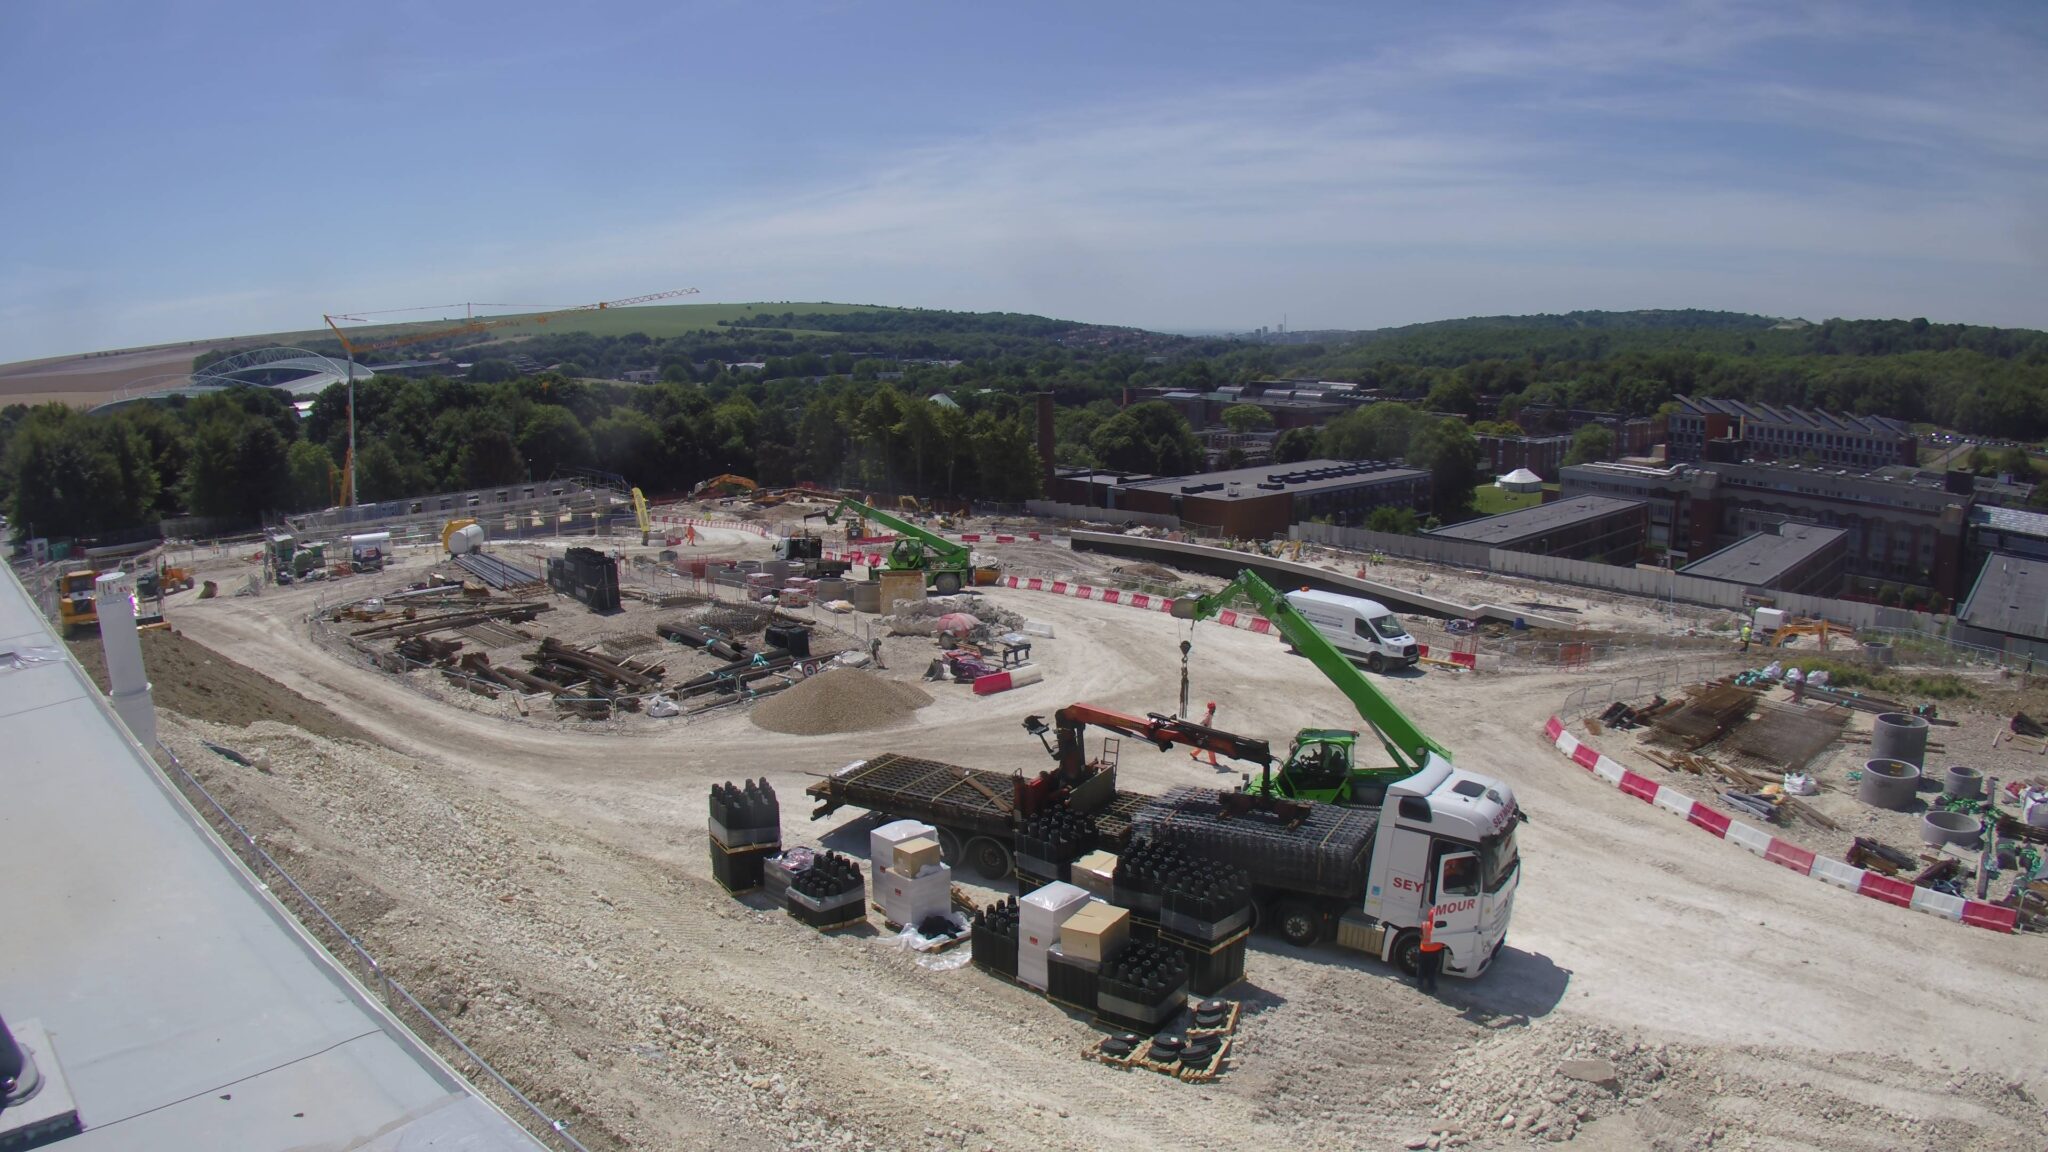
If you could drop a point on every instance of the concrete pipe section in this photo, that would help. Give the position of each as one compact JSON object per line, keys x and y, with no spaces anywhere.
{"x":1888,"y":784}
{"x":1963,"y":783}
{"x":1878,"y":654}
{"x":1899,"y":736}
{"x":1959,"y":828}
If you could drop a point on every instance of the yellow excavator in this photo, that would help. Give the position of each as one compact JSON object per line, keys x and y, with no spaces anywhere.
{"x":77,"y":600}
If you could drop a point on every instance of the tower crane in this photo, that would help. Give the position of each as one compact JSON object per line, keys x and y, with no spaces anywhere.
{"x":468,"y":326}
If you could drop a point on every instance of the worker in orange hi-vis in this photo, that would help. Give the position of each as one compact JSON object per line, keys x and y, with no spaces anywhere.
{"x":1195,"y":754}
{"x":1430,"y":960}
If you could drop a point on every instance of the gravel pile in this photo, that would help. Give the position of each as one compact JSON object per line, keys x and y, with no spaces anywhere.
{"x":841,"y":700}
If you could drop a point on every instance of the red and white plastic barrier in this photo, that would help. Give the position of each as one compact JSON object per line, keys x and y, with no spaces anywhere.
{"x":1007,"y":679}
{"x":1783,"y":853}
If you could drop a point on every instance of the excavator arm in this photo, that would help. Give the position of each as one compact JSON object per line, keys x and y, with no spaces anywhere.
{"x":1406,"y":743}
{"x":1071,"y":723}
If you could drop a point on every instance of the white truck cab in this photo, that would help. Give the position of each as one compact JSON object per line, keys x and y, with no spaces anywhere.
{"x":1446,"y":841}
{"x":1361,"y":629}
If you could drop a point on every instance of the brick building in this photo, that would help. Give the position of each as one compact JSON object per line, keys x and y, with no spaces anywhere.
{"x":1900,"y":530}
{"x":1255,"y":503}
{"x":1543,"y":455}
{"x":1771,"y":432}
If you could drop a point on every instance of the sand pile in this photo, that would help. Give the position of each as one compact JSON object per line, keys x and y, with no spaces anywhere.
{"x":841,"y":700}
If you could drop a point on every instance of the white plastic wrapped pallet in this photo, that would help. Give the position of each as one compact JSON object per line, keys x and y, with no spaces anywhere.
{"x":882,"y":841}
{"x":910,"y":900}
{"x":1038,"y":927}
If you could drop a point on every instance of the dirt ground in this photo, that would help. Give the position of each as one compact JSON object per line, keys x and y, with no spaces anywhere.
{"x":197,"y":682}
{"x":551,"y":888}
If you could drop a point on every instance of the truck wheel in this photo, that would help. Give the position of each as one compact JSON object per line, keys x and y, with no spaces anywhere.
{"x":946,"y":583}
{"x":1376,"y":663}
{"x":990,"y":859}
{"x":1297,"y":923}
{"x":1407,"y":954}
{"x":949,"y":846}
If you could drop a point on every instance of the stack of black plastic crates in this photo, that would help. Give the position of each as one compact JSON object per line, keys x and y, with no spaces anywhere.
{"x":1049,"y":843}
{"x":829,"y":894}
{"x":746,"y":829}
{"x":993,"y":938}
{"x":1192,"y":902}
{"x":1141,"y":987}
{"x":1206,"y":909}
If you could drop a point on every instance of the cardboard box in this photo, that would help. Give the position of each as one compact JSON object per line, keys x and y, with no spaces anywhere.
{"x":914,"y":856}
{"x":1096,"y":932}
{"x":1095,"y":873}
{"x":882,"y":841}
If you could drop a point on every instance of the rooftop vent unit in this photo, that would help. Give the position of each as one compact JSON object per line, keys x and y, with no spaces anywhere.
{"x":36,"y":1106}
{"x":1273,"y":487}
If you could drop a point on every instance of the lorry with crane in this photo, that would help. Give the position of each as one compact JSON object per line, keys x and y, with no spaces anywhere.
{"x":948,"y":565}
{"x":1441,"y":844}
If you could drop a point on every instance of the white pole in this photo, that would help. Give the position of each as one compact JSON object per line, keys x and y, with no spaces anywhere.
{"x":354,"y":497}
{"x":127,"y":681}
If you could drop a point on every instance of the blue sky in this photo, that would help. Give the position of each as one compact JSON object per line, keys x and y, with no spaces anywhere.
{"x":189,"y":169}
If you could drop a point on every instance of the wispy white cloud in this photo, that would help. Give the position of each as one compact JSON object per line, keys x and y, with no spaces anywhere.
{"x":1793,"y":159}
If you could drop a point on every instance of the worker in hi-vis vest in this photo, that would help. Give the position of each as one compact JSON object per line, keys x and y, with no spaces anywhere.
{"x":1430,"y":960}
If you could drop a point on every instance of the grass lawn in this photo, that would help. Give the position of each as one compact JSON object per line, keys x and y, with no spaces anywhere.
{"x":1491,"y":501}
{"x":656,"y":320}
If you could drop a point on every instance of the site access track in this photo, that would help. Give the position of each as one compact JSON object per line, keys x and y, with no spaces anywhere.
{"x":1623,"y":920}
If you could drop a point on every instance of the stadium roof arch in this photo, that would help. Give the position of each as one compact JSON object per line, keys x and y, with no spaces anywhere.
{"x":299,"y":374}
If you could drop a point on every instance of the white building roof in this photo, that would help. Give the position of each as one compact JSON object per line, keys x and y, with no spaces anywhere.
{"x":187,"y":1008}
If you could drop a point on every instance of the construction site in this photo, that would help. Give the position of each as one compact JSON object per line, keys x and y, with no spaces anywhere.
{"x":776,"y":821}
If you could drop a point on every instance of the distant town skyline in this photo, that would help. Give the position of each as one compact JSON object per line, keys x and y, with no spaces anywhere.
{"x":193,"y":171}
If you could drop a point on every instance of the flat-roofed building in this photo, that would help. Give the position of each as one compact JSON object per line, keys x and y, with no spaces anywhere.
{"x":2008,"y":606}
{"x":1802,"y":558}
{"x":1598,"y":528}
{"x":1257,"y":503}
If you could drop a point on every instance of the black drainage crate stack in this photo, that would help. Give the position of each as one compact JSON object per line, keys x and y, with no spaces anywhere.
{"x":587,"y":575}
{"x":1050,"y":842}
{"x":1205,"y":910}
{"x":1071,"y":980}
{"x":746,"y":829}
{"x":1142,"y":988}
{"x":830,"y":894}
{"x":994,"y":938}
{"x":794,"y":639}
{"x":1212,"y":967}
{"x":1142,"y":872}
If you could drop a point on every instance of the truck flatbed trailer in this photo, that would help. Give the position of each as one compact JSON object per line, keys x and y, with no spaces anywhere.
{"x":1324,"y":854}
{"x":975,"y":810}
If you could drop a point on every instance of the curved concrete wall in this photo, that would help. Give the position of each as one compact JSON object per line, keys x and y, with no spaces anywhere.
{"x":1288,"y":575}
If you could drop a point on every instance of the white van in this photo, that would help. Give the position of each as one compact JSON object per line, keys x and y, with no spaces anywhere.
{"x":1361,"y":629}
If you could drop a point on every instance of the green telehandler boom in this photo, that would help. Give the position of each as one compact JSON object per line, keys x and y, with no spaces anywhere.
{"x":947,"y":564}
{"x":1321,"y":764}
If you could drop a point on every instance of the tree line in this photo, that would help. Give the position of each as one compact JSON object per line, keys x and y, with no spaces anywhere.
{"x":244,"y":454}
{"x":861,"y":406}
